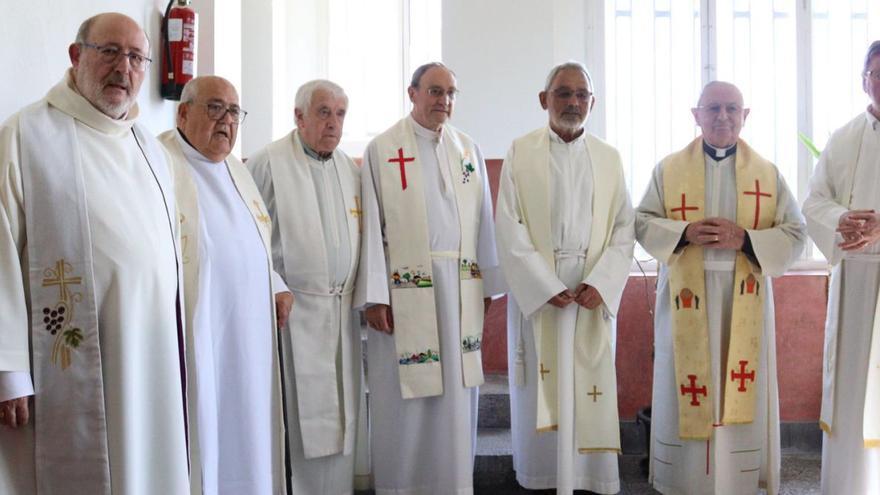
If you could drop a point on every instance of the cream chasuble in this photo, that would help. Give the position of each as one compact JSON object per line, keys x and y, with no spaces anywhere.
{"x":597,"y":422}
{"x":736,"y":458}
{"x":409,"y":270}
{"x":98,"y":231}
{"x":684,"y":180}
{"x":847,"y":177}
{"x":316,"y":240}
{"x":233,"y":368}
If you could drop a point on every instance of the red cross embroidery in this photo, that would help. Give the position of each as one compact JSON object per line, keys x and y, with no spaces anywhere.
{"x":402,"y":161}
{"x":757,"y":194}
{"x":694,"y":390}
{"x":742,"y":376}
{"x":684,"y":208}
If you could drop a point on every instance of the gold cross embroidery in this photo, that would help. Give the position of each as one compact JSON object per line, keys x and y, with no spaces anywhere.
{"x":543,"y":371}
{"x":58,"y":277}
{"x":595,"y":393}
{"x":262,"y":217}
{"x":358,"y":212}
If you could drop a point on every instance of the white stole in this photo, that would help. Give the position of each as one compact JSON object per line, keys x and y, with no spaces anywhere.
{"x":68,"y":377}
{"x":594,"y":375}
{"x":410,"y":271}
{"x":321,"y":311}
{"x":188,"y":211}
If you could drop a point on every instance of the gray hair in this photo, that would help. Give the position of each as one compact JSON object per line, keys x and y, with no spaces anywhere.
{"x":873,"y":51}
{"x":190,"y":90}
{"x":304,"y":94}
{"x":420,"y":71}
{"x":570,"y":65}
{"x":82,"y":34}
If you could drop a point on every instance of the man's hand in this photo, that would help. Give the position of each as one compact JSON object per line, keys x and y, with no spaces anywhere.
{"x":859,"y":228}
{"x":715,"y":233}
{"x":562,"y":299}
{"x":587,"y":296}
{"x":487,"y":301}
{"x":380,"y":318}
{"x":283,"y":304}
{"x":14,"y":413}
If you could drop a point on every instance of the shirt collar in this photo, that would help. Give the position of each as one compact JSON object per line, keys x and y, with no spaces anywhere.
{"x":424,"y":131}
{"x":191,"y":153}
{"x":872,"y":120}
{"x":718,"y":154}
{"x":314,"y":154}
{"x":554,"y":137}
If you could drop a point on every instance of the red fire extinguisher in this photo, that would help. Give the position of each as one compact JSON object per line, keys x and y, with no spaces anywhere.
{"x":178,"y":48}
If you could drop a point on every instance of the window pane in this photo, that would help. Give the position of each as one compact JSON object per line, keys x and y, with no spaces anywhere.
{"x":842,"y":32}
{"x":653,"y":79}
{"x":757,"y":51}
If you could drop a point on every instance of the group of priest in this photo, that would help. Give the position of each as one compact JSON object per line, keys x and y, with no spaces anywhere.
{"x":175,"y":321}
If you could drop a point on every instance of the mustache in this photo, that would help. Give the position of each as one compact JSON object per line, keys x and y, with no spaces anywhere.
{"x":117,"y":79}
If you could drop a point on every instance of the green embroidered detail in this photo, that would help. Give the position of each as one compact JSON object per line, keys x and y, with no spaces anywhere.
{"x":428,"y":356}
{"x":404,"y":278}
{"x":471,"y":343}
{"x":469,"y":269}
{"x":58,"y":320}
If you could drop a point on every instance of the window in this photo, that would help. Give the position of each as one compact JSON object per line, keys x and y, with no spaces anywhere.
{"x":369,"y":48}
{"x":780,"y":53}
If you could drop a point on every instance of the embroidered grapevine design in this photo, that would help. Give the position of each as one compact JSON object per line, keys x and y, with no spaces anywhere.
{"x":405,"y":278}
{"x":58,"y":320}
{"x":471,"y":343}
{"x":469,"y":269}
{"x":428,"y":356}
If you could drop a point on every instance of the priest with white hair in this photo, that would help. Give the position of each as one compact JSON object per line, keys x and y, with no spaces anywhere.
{"x":236,"y":426}
{"x":565,"y":240}
{"x":312,"y":193}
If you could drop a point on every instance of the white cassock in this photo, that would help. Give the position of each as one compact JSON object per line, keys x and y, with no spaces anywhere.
{"x":738,"y":458}
{"x":135,"y":282}
{"x":847,"y":177}
{"x":422,"y":446}
{"x":571,"y":190}
{"x":323,"y":336}
{"x":234,"y":386}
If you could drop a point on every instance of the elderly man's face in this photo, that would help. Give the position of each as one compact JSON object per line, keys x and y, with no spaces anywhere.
{"x":871,"y":85}
{"x":568,"y":102}
{"x":212,"y":137}
{"x":434,"y":99}
{"x":320,"y":126}
{"x":720,"y":114}
{"x":112,"y":87}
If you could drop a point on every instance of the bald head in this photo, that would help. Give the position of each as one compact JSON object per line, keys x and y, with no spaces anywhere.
{"x":110,"y":83}
{"x":720,"y":113}
{"x":208,"y":116}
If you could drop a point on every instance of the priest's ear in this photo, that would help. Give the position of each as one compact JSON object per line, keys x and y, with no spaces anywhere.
{"x":542,"y":98}
{"x":182,"y":114}
{"x":74,"y":51}
{"x":298,"y":117}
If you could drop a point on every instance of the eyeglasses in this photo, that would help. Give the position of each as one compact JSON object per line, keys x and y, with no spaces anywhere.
{"x":714,"y":109}
{"x":565,"y":94}
{"x":109,"y":54}
{"x":873,"y":74}
{"x":216,"y":111}
{"x":437,"y":92}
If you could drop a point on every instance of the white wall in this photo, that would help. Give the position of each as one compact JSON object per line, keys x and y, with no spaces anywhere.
{"x":502,"y":50}
{"x":33,"y":55}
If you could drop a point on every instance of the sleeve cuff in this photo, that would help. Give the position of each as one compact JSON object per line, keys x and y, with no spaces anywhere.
{"x":15,"y":384}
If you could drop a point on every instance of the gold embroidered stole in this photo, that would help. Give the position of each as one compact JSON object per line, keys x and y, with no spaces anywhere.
{"x":410,"y":270}
{"x":684,"y":199}
{"x":595,"y":382}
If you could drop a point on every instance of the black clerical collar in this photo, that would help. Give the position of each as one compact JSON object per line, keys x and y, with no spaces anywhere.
{"x":314,"y":154}
{"x":718,"y":154}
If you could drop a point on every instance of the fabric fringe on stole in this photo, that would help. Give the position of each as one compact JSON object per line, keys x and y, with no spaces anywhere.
{"x":684,"y":198}
{"x":596,"y":418}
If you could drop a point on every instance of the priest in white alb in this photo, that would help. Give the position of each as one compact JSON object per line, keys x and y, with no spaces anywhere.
{"x":315,"y":245}
{"x":565,"y":240}
{"x":843,"y":218}
{"x":236,"y":426}
{"x":428,"y":268}
{"x":720,"y":221}
{"x":89,"y":284}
